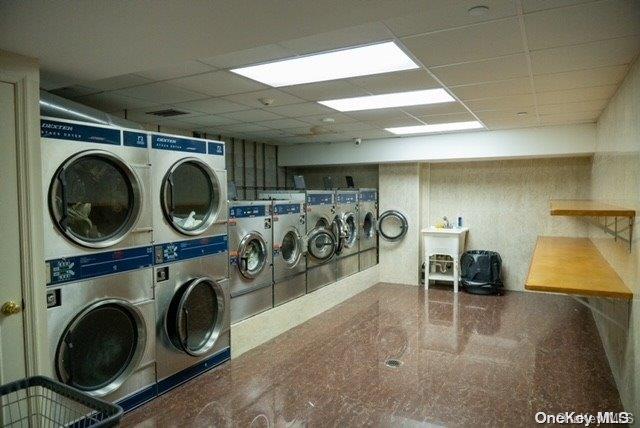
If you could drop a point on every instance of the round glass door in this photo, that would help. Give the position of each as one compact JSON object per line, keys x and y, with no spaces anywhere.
{"x":101,"y":347}
{"x":368,"y":225}
{"x":290,"y":248}
{"x":392,"y":225}
{"x":339,"y":229}
{"x":351,"y":224}
{"x":252,"y":255}
{"x":95,"y":199}
{"x":190,"y":196}
{"x":194,"y":318}
{"x":321,"y":244}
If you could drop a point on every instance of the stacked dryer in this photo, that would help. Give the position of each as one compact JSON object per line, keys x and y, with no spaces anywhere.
{"x":191,"y":257}
{"x":250,"y":246}
{"x":98,"y":236}
{"x":347,"y":260}
{"x":368,"y":225}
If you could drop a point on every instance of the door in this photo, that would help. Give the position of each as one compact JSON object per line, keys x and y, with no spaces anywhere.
{"x":351,"y":225}
{"x":252,"y":255}
{"x":321,"y":244}
{"x":392,"y":225}
{"x":12,"y":346}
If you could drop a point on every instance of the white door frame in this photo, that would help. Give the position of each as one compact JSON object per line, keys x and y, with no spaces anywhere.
{"x":23,"y":72}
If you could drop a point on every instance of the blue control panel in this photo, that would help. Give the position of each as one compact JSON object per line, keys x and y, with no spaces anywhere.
{"x":77,"y":268}
{"x":320,"y":199}
{"x":368,"y":196}
{"x":76,"y":132}
{"x":346,"y":198}
{"x":135,"y":139}
{"x":286,"y":209}
{"x":189,"y":249}
{"x":165,"y":142}
{"x":216,"y":149}
{"x":247,"y":211}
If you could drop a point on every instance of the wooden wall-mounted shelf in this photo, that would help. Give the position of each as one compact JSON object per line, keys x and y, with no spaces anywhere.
{"x":588,"y":208}
{"x":573,"y":266}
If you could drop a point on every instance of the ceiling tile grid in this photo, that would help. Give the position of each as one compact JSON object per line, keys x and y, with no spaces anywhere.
{"x":520,"y":63}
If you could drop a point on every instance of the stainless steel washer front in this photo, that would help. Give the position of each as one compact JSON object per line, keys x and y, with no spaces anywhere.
{"x":289,"y":259}
{"x":347,"y":261}
{"x":368,"y":224}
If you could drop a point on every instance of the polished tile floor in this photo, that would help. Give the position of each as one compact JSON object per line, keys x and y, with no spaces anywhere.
{"x":465,"y":360}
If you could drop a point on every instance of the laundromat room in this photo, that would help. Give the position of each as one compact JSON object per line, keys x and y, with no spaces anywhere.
{"x":315,"y":213}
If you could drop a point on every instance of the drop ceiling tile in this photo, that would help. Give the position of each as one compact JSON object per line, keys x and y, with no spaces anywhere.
{"x":252,"y":115}
{"x":110,"y":102}
{"x":73,"y":91}
{"x":519,"y":86}
{"x":473,"y":43}
{"x":501,"y":103}
{"x":508,"y":112}
{"x":283,"y":123}
{"x":535,"y":5}
{"x":244,"y":127}
{"x":211,"y":120}
{"x":160,"y":92}
{"x":118,"y":82}
{"x":409,"y":80}
{"x":217,"y":83}
{"x":269,"y":134}
{"x":187,"y":68}
{"x":440,"y":14}
{"x":594,"y":54}
{"x":252,"y":99}
{"x":326,"y":90}
{"x":255,"y":55}
{"x":509,"y":122}
{"x":143,"y":115}
{"x":405,"y":120}
{"x":377,"y":114}
{"x":585,"y":106}
{"x":580,"y":79}
{"x":347,"y":37}
{"x":354,"y":126}
{"x":504,"y":68}
{"x":582,"y":23}
{"x":447,"y":118}
{"x":440,"y":108}
{"x":316,"y":119}
{"x":303,"y":109}
{"x":577,"y":95}
{"x":211,"y":105}
{"x":578,"y":117}
{"x":373,"y":134}
{"x":328,"y":138}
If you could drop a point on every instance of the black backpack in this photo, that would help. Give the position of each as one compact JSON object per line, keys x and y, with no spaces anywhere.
{"x":480,"y":272}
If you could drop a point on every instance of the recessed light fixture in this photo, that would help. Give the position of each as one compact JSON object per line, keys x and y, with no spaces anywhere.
{"x":360,"y":61}
{"x":398,"y":99}
{"x":438,"y":127}
{"x":478,"y":11}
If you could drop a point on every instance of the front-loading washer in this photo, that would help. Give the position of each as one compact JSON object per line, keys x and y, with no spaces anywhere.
{"x":250,"y":258}
{"x":347,"y":260}
{"x":96,"y":180}
{"x":101,"y":322}
{"x":289,"y":259}
{"x":368,"y":226}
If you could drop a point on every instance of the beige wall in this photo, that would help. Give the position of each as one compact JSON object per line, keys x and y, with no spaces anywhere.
{"x":363,"y":175}
{"x":505,"y":204}
{"x":616,"y":178}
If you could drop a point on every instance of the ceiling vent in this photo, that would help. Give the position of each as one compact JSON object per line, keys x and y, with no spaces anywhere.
{"x":167,"y":113}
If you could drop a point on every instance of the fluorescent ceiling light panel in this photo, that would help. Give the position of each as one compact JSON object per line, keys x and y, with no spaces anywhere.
{"x":438,"y":127}
{"x":360,"y":61}
{"x":399,"y":99}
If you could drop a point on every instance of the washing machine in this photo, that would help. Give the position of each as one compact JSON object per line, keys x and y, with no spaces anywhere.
{"x":367,"y":221}
{"x":193,"y":312}
{"x":100,"y":321}
{"x":289,"y":259}
{"x":189,"y":183}
{"x":347,"y":259}
{"x":250,"y":258}
{"x":96,"y":181}
{"x":324,"y":232}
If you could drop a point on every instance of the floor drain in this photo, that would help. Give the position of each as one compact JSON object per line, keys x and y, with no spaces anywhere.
{"x":393,"y":363}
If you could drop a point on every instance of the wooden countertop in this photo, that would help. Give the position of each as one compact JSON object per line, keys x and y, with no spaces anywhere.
{"x":588,"y":208}
{"x":573,"y":266}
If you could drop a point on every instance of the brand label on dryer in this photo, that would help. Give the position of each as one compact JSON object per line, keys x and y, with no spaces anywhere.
{"x":165,"y":142}
{"x":215,"y":148}
{"x":368,"y":196}
{"x":76,"y":268}
{"x":189,"y":249}
{"x":286,"y":209}
{"x":135,"y":139}
{"x":247,"y":211}
{"x":76,"y":132}
{"x":320,"y":199}
{"x":346,"y":198}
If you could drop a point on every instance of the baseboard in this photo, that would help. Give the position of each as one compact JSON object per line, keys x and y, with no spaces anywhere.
{"x":254,"y":331}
